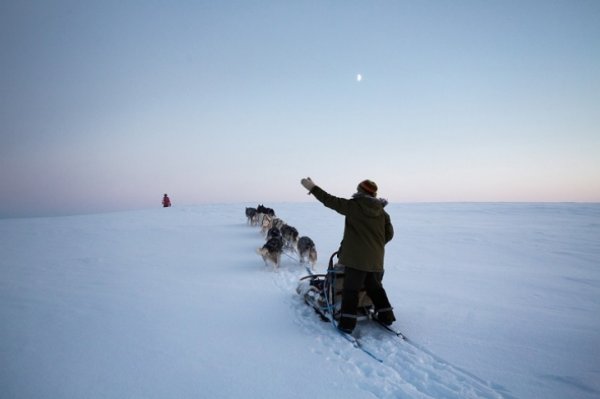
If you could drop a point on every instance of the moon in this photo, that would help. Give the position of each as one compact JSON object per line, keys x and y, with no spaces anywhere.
{"x":358,"y":77}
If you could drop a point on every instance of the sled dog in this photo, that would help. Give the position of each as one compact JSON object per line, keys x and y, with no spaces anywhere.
{"x":307,"y":250}
{"x":265,"y":223}
{"x":276,"y":222}
{"x":271,"y":252}
{"x":274,"y":232}
{"x":290,"y":237}
{"x":252,"y":216}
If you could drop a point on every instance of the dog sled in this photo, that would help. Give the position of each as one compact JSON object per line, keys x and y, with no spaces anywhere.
{"x":323,"y":292}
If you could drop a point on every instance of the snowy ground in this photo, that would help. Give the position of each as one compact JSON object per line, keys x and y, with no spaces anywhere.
{"x":499,"y":300}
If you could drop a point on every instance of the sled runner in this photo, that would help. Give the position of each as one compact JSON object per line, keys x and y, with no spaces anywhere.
{"x":324,"y":293}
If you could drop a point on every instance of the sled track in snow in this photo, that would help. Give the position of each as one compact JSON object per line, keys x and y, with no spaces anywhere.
{"x":407,"y":370}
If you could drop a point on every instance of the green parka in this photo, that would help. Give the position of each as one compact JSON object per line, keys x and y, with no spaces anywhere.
{"x":367,"y":229}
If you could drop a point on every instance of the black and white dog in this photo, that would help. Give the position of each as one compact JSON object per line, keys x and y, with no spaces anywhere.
{"x":267,"y":211}
{"x":277,"y":222}
{"x":307,"y":250}
{"x":252,"y":216}
{"x":290,"y":237}
{"x":272,"y":250}
{"x":274,"y":232}
{"x":265,"y":217}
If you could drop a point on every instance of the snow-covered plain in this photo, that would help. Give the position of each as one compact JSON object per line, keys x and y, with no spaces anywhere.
{"x":499,"y":300}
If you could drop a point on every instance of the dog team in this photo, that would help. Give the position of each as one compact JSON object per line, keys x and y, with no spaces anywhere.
{"x":280,"y":237}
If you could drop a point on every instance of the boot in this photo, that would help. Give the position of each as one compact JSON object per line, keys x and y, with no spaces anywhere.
{"x":386,"y":316}
{"x":347,"y":323}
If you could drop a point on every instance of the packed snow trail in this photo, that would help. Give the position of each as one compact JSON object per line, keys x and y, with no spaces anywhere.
{"x":407,"y":370}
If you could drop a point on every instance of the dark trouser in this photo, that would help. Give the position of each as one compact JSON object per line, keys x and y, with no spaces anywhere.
{"x":354,"y":281}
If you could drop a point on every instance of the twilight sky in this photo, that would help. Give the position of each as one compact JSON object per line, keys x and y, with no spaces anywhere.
{"x":107,"y":105}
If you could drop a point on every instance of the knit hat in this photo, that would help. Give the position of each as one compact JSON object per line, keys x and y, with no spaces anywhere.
{"x":367,"y":187}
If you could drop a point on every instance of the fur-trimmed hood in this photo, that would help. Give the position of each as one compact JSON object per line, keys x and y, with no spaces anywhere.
{"x":371,"y":206}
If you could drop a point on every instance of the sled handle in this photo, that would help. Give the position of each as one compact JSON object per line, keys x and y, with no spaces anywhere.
{"x":313,"y":276}
{"x":331,"y":260}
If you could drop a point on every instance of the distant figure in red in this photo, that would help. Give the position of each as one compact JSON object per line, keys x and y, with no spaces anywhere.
{"x":166,"y":201}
